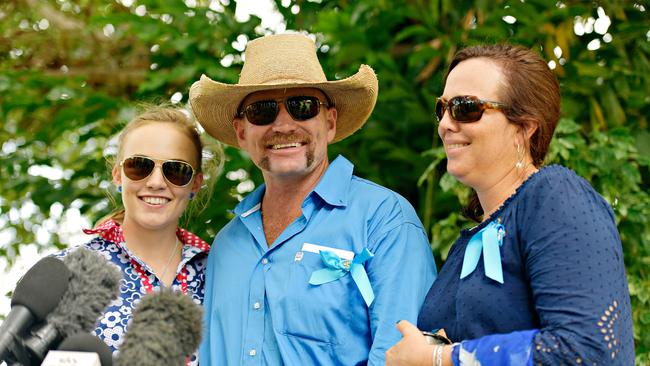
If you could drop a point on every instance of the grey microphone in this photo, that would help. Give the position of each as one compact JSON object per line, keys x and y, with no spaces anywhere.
{"x":37,"y":293}
{"x":94,"y":283}
{"x":165,"y":330}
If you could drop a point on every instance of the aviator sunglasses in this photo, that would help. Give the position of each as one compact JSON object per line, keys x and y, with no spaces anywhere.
{"x":264,"y":112}
{"x":465,"y":108}
{"x":176,"y":172}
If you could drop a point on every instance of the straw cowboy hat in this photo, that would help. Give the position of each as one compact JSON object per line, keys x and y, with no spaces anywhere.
{"x":278,"y":62}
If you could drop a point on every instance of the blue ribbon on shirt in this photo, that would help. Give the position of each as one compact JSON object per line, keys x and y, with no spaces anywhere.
{"x":337,"y":268}
{"x":488,"y":240}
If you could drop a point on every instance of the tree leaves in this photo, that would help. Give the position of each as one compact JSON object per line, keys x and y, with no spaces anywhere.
{"x":65,"y":91}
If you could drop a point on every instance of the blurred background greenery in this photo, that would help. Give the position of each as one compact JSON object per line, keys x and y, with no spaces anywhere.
{"x":72,"y":72}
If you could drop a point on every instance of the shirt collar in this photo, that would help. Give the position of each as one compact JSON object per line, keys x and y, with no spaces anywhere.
{"x":112,"y":231}
{"x":332,"y":188}
{"x":251,"y":202}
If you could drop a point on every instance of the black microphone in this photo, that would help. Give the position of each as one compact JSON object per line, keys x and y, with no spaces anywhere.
{"x":36,"y":294}
{"x":165,"y":329}
{"x":85,"y":342}
{"x":94,"y":283}
{"x":67,"y":353}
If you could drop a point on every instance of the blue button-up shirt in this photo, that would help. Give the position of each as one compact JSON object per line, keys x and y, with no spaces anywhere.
{"x":259,"y":306}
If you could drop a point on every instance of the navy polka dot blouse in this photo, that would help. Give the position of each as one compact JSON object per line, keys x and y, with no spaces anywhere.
{"x":564,"y":299}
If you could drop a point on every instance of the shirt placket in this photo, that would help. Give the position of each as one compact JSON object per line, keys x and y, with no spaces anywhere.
{"x":254,"y":335}
{"x":254,"y":338}
{"x":259,"y":286}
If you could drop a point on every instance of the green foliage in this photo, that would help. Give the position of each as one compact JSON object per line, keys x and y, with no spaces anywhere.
{"x":67,"y":86}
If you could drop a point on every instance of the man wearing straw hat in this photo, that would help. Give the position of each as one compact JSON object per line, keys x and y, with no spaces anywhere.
{"x":318,"y":265}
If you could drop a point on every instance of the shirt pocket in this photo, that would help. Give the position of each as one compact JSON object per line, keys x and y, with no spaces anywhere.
{"x":319,"y":313}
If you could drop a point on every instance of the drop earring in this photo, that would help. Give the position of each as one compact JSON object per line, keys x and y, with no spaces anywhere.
{"x":119,"y":189}
{"x":192,"y":194}
{"x":520,"y":157}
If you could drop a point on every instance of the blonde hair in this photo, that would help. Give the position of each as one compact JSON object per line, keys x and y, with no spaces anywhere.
{"x":184,"y":122}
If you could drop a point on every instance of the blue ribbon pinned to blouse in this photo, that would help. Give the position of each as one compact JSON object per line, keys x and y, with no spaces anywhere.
{"x":487,"y":240}
{"x":337,"y":268}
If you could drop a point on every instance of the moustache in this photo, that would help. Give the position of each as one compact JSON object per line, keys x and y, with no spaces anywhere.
{"x":277,"y":139}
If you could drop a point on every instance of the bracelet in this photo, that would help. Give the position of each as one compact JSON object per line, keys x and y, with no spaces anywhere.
{"x":433,"y":355}
{"x":436,"y":356}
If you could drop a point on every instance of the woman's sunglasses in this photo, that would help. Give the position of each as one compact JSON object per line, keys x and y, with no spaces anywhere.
{"x":264,"y":112}
{"x":176,"y":172}
{"x":465,"y":108}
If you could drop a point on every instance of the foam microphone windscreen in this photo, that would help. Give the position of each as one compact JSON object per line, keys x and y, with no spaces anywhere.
{"x":165,"y":329}
{"x":93,"y":284}
{"x":85,"y":342}
{"x":42,"y":287}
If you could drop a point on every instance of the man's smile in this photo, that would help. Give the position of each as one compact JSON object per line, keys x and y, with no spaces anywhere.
{"x":285,"y":146}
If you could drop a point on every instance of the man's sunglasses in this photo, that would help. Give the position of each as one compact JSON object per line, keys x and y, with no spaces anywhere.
{"x":264,"y":112}
{"x":465,"y":108}
{"x":176,"y":172}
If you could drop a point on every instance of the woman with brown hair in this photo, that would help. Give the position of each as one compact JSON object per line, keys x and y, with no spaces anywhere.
{"x":540,"y":279}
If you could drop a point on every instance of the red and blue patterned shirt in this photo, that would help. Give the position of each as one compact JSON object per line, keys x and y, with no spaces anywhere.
{"x":138,"y":278}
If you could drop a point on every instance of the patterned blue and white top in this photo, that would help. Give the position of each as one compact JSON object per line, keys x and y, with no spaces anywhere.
{"x":138,"y":278}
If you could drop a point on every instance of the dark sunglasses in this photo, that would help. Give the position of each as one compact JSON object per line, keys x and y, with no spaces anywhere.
{"x":176,"y":172}
{"x":264,"y":112}
{"x":465,"y":108}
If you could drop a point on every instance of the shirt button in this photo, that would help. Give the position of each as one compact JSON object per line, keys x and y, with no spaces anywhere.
{"x":257,"y":306}
{"x":252,"y":352}
{"x":265,"y":261}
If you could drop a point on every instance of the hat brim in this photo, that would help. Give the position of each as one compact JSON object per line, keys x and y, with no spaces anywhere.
{"x":215,"y":104}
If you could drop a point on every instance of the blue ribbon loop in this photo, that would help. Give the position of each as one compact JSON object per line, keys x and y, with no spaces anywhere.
{"x":337,"y":268}
{"x":487,"y":240}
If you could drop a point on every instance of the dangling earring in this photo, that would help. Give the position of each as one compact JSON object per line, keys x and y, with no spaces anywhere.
{"x":119,"y":189}
{"x":192,"y":194}
{"x":520,"y":157}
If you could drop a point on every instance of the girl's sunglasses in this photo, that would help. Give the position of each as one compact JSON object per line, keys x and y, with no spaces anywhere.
{"x":264,"y":112}
{"x":465,"y":108}
{"x":176,"y":172}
